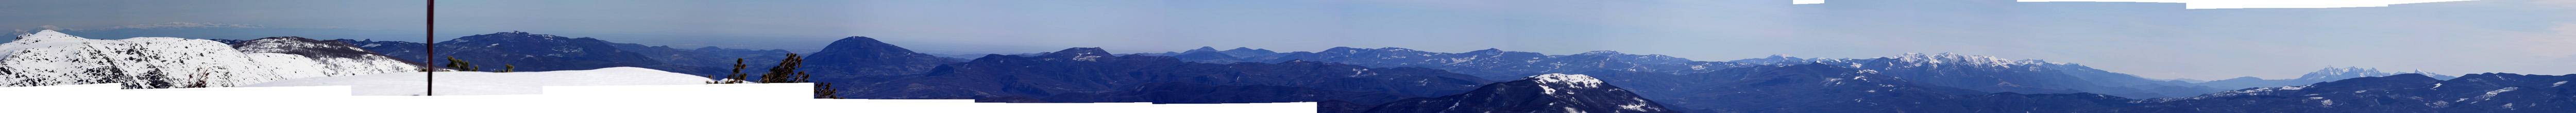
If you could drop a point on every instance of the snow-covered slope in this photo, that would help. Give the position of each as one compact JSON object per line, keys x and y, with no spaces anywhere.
{"x":335,"y":58}
{"x":490,"y":83}
{"x":54,"y":58}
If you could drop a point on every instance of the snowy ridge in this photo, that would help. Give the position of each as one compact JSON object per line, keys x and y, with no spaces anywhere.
{"x":2332,"y":73}
{"x":338,"y":58}
{"x":53,"y":58}
{"x":1576,"y":81}
{"x":45,"y":38}
{"x":1920,"y":59}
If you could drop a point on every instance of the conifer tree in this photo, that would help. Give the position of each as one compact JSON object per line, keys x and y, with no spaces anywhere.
{"x":737,"y":76}
{"x":786,"y":71}
{"x":825,"y":91}
{"x":460,"y":65}
{"x":508,"y":68}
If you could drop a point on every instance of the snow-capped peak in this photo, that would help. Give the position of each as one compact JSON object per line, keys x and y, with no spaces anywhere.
{"x":46,"y":34}
{"x":42,"y":39}
{"x":1920,"y":59}
{"x":2333,"y":73}
{"x":1602,"y":52}
{"x":1574,"y":80}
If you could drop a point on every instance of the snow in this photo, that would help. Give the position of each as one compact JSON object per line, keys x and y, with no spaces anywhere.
{"x":1574,"y":80}
{"x":490,"y":83}
{"x":1920,"y":59}
{"x":2327,"y":103}
{"x":42,"y":39}
{"x":2491,"y":94}
{"x":53,"y":58}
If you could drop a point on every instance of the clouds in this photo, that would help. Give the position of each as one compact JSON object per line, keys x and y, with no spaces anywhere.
{"x":2559,"y":42}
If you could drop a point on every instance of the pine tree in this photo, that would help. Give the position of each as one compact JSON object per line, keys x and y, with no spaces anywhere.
{"x":786,"y":71}
{"x":737,"y":76}
{"x":508,"y":68}
{"x":461,"y":65}
{"x":825,"y":91}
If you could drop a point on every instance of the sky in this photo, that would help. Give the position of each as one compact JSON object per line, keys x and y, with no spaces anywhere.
{"x":377,"y":19}
{"x":2204,"y":39}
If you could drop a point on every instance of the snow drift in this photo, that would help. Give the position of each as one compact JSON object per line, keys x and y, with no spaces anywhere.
{"x":490,"y":83}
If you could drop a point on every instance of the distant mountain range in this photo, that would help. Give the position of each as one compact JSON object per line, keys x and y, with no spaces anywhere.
{"x":1347,"y":79}
{"x":1981,"y":73}
{"x":2401,"y":93}
{"x":540,"y":52}
{"x":1549,"y":93}
{"x":1093,"y":70}
{"x":2321,"y":75}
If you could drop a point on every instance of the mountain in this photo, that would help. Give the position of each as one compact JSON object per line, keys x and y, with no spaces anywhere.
{"x":1247,"y":52}
{"x":866,"y":57}
{"x":1830,"y":88}
{"x":2321,"y":75}
{"x":410,"y":51}
{"x":1206,"y":55}
{"x":1496,"y":64}
{"x":2401,"y":93}
{"x":407,"y":51}
{"x":1092,"y":70}
{"x":1982,"y":73}
{"x":1993,"y":74}
{"x":2132,"y":85}
{"x":53,"y":58}
{"x":540,"y":52}
{"x":1634,"y":58}
{"x":1550,"y":93}
{"x":338,"y":58}
{"x":721,"y":60}
{"x":1194,"y":93}
{"x":1773,"y":59}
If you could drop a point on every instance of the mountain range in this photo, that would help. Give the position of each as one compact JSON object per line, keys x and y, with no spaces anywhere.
{"x":1085,"y":70}
{"x":1549,"y":93}
{"x":1981,"y":73}
{"x":2322,"y":75}
{"x":1344,"y":79}
{"x":2401,"y":93}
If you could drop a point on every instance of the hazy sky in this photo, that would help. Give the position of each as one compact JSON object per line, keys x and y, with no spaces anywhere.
{"x":2157,"y":40}
{"x":98,"y":14}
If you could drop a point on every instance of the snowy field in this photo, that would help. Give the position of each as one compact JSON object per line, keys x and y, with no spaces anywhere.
{"x":489,"y":83}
